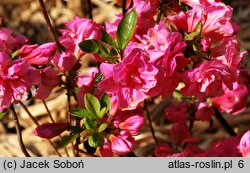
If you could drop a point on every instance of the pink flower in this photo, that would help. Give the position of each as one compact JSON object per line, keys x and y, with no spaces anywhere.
{"x":65,"y":61}
{"x":105,"y":149}
{"x":130,"y":121}
{"x":233,"y":101}
{"x":165,"y":49}
{"x":78,"y":30}
{"x":224,"y":148}
{"x":16,"y":79}
{"x":38,"y":55}
{"x":204,"y":112}
{"x":122,"y":144}
{"x":176,"y":113}
{"x":228,"y":52}
{"x":50,"y":130}
{"x":207,"y":80}
{"x":193,"y":3}
{"x":163,"y":150}
{"x":49,"y":80}
{"x":10,"y":42}
{"x":85,"y":82}
{"x":215,"y":19}
{"x":244,"y":145}
{"x":130,"y":80}
{"x":180,"y":133}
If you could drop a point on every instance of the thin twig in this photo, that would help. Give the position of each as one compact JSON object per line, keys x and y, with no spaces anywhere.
{"x":90,"y":9}
{"x":37,"y":124}
{"x":224,"y":123}
{"x":124,"y":9}
{"x":150,"y":122}
{"x":53,"y":33}
{"x":160,"y":11}
{"x":53,"y":121}
{"x":18,"y":131}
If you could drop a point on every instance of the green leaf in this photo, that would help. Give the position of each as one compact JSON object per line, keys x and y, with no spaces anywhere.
{"x":105,"y":101}
{"x":75,"y":129}
{"x":90,"y":123}
{"x":195,"y":34}
{"x":102,"y":127}
{"x":67,"y":140}
{"x":92,"y":104}
{"x":102,"y":112}
{"x":2,"y":114}
{"x":81,"y":113}
{"x":191,"y":36}
{"x":95,"y":140}
{"x":106,"y":38}
{"x":126,"y":29}
{"x":14,"y":54}
{"x":94,"y":46}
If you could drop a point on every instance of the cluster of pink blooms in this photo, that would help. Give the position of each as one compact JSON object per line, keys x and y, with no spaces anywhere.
{"x":194,"y":53}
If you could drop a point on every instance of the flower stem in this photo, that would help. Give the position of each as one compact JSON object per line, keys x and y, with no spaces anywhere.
{"x":124,"y":9}
{"x":90,"y":9}
{"x":37,"y":124}
{"x":224,"y":123}
{"x":53,"y":121}
{"x":18,"y":131}
{"x":52,"y":31}
{"x":150,"y":122}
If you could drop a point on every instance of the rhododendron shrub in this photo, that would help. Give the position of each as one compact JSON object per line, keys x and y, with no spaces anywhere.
{"x":190,"y":59}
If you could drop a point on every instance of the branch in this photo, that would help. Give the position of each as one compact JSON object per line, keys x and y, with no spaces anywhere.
{"x":124,"y":10}
{"x":37,"y":124}
{"x":224,"y":123}
{"x":90,"y":9}
{"x":150,"y":122}
{"x":46,"y":17}
{"x":18,"y":131}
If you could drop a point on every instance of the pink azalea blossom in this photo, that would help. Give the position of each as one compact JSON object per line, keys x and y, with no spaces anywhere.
{"x":65,"y":61}
{"x":16,"y":79}
{"x":233,"y":101}
{"x":130,"y":80}
{"x":204,"y":112}
{"x":244,"y":145}
{"x":193,"y":3}
{"x":215,"y":19}
{"x":130,"y":121}
{"x":229,"y":53}
{"x":10,"y":42}
{"x":207,"y":80}
{"x":38,"y":55}
{"x":49,"y":80}
{"x":180,"y":133}
{"x":122,"y":144}
{"x":163,"y":150}
{"x":78,"y":30}
{"x":176,"y":113}
{"x":50,"y":130}
{"x":85,"y":82}
{"x":105,"y":149}
{"x":224,"y":148}
{"x":165,"y":49}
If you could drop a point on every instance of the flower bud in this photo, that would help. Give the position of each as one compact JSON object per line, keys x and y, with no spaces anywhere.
{"x":120,"y":145}
{"x":64,"y":61}
{"x":38,"y":55}
{"x":244,"y":145}
{"x":163,"y":150}
{"x":50,"y":130}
